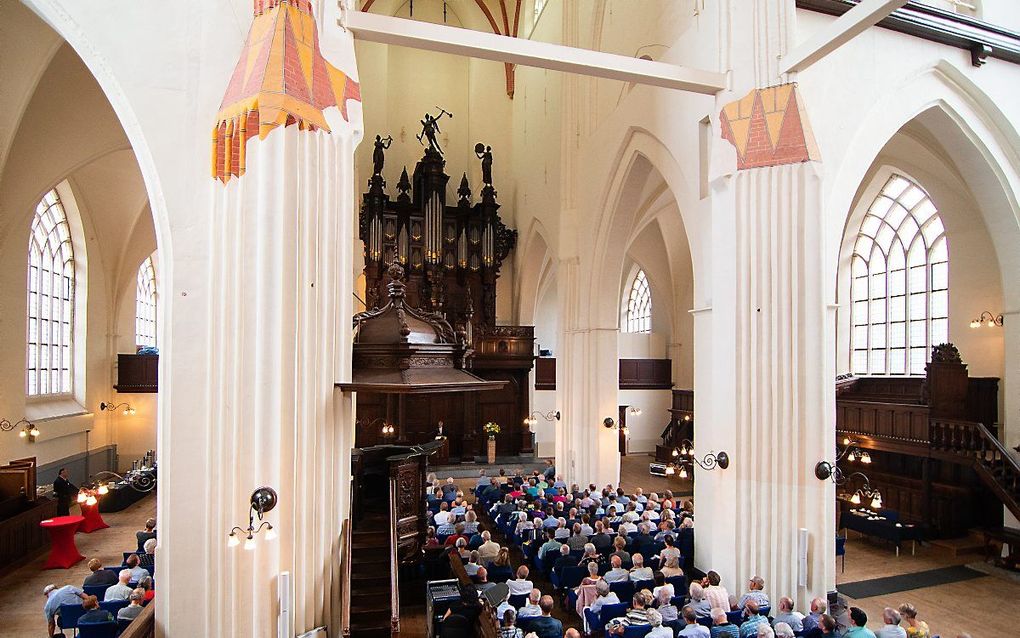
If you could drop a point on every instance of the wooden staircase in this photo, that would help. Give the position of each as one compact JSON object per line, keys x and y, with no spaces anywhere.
{"x":371,"y":610}
{"x":973,"y":443}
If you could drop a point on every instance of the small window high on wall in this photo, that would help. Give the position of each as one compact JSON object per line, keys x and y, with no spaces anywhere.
{"x":639,"y":305}
{"x":145,"y":305}
{"x":51,"y":288}
{"x":899,"y":283}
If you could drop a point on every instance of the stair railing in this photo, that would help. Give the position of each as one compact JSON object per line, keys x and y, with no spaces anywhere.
{"x":345,"y":578}
{"x":394,"y":564}
{"x":974,"y":440}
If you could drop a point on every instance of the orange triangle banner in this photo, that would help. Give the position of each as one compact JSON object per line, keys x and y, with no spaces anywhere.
{"x":768,"y":128}
{"x":280,"y":79}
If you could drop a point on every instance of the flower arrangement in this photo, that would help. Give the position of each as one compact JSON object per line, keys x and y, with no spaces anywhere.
{"x":492,"y":429}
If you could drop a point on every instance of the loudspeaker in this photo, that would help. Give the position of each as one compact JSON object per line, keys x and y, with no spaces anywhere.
{"x":283,"y":621}
{"x":802,"y":557}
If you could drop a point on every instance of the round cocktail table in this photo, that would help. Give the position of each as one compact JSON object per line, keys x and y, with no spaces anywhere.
{"x":63,"y":552}
{"x":93,"y":519}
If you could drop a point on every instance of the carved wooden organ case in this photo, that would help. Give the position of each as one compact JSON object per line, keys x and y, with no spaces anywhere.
{"x":452,"y":256}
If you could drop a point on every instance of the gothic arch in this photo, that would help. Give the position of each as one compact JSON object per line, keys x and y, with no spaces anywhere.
{"x":537,"y":270}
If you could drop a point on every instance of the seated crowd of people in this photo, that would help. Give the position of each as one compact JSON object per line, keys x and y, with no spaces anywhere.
{"x":617,"y":560}
{"x":108,"y":595}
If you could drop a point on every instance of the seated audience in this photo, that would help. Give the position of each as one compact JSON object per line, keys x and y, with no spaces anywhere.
{"x":666,"y":608}
{"x":443,"y":516}
{"x":755,"y":593}
{"x":93,"y":614}
{"x":826,"y":627}
{"x":138,"y":572}
{"x":430,"y":537}
{"x":715,"y":592}
{"x":721,"y":626}
{"x":783,"y":630}
{"x":593,"y":577}
{"x":672,"y":568}
{"x":915,"y":628}
{"x":450,"y":490}
{"x":562,"y":531}
{"x":699,"y":602}
{"x":591,"y":555}
{"x":455,"y":537}
{"x":131,"y":611}
{"x":606,"y":596}
{"x":617,"y":574}
{"x":765,"y":631}
{"x":509,"y":628}
{"x":565,"y":559}
{"x":619,"y":543}
{"x":66,"y":595}
{"x":639,"y":571}
{"x":658,"y":630}
{"x":99,"y":576}
{"x":670,"y":551}
{"x":531,"y":608}
{"x":462,"y":549}
{"x":858,"y":625}
{"x":550,"y":545}
{"x":577,"y":540}
{"x":601,"y":540}
{"x":662,"y":585}
{"x":146,"y":534}
{"x":120,"y":591}
{"x":146,"y":586}
{"x":545,"y":626}
{"x":786,"y":614}
{"x":470,"y":522}
{"x":818,"y":607}
{"x":489,"y":549}
{"x":521,"y":585}
{"x":692,"y":629}
{"x":481,"y":579}
{"x":891,"y":625}
{"x":636,"y":615}
{"x":471,"y":567}
{"x":749,"y":627}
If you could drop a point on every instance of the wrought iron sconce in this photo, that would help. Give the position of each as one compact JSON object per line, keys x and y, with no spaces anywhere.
{"x":686,"y":459}
{"x":262,"y":500}
{"x":611,"y":424}
{"x":109,"y":406}
{"x":530,"y":421}
{"x":853,"y":452}
{"x":99,"y":485}
{"x":987,"y":319}
{"x":634,"y":410}
{"x":825,"y":471}
{"x":387,"y":429}
{"x":29,"y":431}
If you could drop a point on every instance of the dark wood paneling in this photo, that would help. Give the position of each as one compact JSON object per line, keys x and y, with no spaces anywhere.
{"x":21,"y":538}
{"x":646,"y":374}
{"x":545,"y":373}
{"x":896,"y":421}
{"x":983,"y":401}
{"x":137,"y":374}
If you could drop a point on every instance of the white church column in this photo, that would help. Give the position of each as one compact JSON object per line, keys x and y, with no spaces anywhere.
{"x":280,"y":282}
{"x":587,"y":380}
{"x":767,"y":397}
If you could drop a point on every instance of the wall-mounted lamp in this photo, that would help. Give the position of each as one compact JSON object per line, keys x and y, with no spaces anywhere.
{"x":634,"y":410}
{"x":611,"y":424}
{"x":987,"y":319}
{"x":99,"y":484}
{"x":825,"y":471}
{"x":108,"y":406}
{"x":530,"y":421}
{"x":387,"y":429}
{"x":684,"y":453}
{"x":28,"y":431}
{"x":262,"y":500}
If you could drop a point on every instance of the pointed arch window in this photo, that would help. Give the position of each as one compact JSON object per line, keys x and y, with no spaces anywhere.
{"x":899,"y":283}
{"x":51,"y":289}
{"x":639,"y":305}
{"x":145,"y":305}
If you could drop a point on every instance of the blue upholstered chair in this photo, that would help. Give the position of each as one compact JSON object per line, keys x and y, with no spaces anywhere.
{"x":69,"y":615}
{"x":99,"y":591}
{"x":636,"y":631}
{"x":98,"y":629}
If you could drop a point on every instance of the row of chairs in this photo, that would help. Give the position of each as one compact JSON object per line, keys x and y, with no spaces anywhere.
{"x":69,"y":615}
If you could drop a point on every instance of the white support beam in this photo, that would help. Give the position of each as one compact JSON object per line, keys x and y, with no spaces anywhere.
{"x":855,"y":21}
{"x":500,"y":48}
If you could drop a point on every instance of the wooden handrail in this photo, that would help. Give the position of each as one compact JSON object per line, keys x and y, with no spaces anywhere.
{"x":394,"y":563}
{"x":959,"y":436}
{"x":345,"y":578}
{"x":144,"y":624}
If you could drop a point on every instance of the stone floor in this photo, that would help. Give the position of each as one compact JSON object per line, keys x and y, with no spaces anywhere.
{"x":21,"y":599}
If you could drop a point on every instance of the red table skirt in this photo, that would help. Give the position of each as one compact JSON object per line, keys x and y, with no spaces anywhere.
{"x":93,"y":519}
{"x":63,"y":551}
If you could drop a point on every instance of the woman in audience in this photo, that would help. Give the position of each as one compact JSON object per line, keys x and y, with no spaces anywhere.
{"x":664,"y":605}
{"x":524,"y":524}
{"x":591,"y":556}
{"x":658,"y":630}
{"x":430,"y":538}
{"x":619,"y":543}
{"x":146,"y":585}
{"x":593,"y":577}
{"x":672,"y":568}
{"x":915,"y":628}
{"x":93,"y":614}
{"x":606,"y":596}
{"x":670,"y":551}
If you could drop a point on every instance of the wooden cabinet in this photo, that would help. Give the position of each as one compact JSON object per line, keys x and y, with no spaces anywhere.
{"x":137,"y":373}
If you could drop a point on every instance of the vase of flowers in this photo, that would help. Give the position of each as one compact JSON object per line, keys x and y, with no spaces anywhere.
{"x":491,"y":429}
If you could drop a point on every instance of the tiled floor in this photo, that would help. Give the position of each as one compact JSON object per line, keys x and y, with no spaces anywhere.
{"x":21,"y":599}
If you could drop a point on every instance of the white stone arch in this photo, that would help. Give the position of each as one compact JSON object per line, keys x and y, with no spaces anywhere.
{"x":537,"y":270}
{"x":642,"y":156}
{"x":985,"y":145}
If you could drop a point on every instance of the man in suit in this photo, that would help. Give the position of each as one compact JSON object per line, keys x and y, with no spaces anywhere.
{"x":64,"y":491}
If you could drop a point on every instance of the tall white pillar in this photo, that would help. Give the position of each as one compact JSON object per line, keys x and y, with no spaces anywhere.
{"x":280,"y":304}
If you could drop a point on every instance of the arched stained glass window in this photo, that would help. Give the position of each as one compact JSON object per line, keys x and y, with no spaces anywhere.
{"x":145,"y":305}
{"x":639,"y":305}
{"x":50,"y":301}
{"x":899,"y":283}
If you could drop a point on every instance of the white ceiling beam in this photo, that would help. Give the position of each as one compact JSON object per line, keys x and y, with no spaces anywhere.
{"x":843,"y":29}
{"x":500,"y":48}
